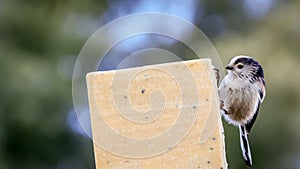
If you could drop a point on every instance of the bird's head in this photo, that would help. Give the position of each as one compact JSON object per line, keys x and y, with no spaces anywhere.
{"x":244,"y":67}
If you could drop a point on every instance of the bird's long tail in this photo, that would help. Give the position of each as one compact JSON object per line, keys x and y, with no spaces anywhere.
{"x":245,"y":146}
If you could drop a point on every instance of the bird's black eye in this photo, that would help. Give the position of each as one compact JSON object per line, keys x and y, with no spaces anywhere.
{"x":240,"y":66}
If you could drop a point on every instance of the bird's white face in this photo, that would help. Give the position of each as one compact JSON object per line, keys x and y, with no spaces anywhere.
{"x":239,"y":67}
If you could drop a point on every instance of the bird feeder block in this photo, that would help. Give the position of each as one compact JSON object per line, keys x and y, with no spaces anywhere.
{"x":157,"y":116}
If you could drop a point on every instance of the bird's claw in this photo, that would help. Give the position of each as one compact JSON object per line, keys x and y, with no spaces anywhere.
{"x":217,"y":75}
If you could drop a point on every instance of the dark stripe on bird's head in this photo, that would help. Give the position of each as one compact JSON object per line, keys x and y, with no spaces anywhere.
{"x":260,"y":72}
{"x":244,"y":60}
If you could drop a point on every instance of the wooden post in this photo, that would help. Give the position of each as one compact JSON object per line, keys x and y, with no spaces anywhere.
{"x":157,"y":116}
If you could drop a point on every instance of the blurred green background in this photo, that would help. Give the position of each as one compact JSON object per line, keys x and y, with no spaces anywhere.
{"x":39,"y":44}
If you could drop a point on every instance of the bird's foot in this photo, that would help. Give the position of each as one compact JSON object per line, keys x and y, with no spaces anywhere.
{"x":217,"y":75}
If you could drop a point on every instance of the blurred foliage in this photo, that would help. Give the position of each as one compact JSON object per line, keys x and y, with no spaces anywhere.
{"x":39,"y":42}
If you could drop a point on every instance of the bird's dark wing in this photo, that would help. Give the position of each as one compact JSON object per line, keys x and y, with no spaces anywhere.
{"x":261,"y":94}
{"x":250,"y":124}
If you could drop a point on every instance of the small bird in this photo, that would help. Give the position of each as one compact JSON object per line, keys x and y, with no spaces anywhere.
{"x":241,"y":93}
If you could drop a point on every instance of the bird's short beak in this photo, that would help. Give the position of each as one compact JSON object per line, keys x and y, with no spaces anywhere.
{"x":229,"y":67}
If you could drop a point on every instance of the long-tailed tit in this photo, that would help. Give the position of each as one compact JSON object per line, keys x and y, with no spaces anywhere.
{"x":241,"y":93}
